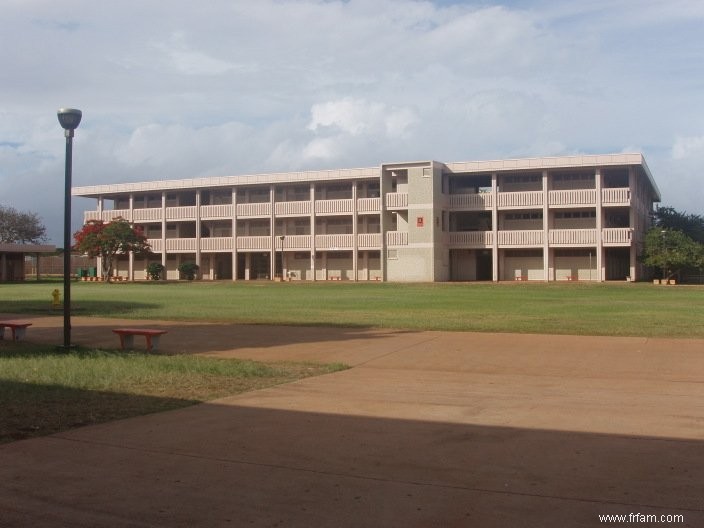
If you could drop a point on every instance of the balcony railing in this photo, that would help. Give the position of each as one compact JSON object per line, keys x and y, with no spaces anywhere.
{"x":254,"y":242}
{"x":572,"y":197}
{"x":151,"y":214}
{"x":333,"y":241}
{"x":181,"y":213}
{"x":617,"y":236}
{"x":525,"y":238}
{"x":474,"y":201}
{"x":369,"y":240}
{"x":216,"y":244}
{"x":471,"y":239}
{"x":301,"y":208}
{"x":156,"y":244}
{"x":107,"y":216}
{"x":396,"y":238}
{"x":572,"y":237}
{"x":369,"y":205}
{"x":616,"y":196}
{"x":520,"y":199}
{"x":216,"y":211}
{"x":296,"y":242}
{"x":254,"y":209}
{"x":397,"y":200}
{"x":181,"y":244}
{"x":341,"y":206}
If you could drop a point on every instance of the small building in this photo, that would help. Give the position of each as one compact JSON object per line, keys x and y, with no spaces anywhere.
{"x":12,"y":259}
{"x":563,"y":218}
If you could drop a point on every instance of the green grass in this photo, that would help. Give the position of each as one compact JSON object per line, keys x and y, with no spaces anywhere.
{"x":43,"y":391}
{"x":582,"y":308}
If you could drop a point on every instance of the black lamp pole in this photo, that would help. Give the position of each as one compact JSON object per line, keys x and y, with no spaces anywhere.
{"x":69,"y":118}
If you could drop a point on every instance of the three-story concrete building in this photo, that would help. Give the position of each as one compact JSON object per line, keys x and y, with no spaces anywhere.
{"x":548,"y":219}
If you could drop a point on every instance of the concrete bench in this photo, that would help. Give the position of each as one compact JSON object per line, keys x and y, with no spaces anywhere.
{"x":127,"y":337}
{"x":18,"y":328}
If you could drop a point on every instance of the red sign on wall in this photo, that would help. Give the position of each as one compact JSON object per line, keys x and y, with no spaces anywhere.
{"x":420,"y":221}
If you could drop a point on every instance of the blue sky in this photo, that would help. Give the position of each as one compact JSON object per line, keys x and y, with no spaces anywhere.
{"x":180,"y":89}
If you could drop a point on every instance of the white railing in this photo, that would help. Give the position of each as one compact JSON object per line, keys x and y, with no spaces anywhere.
{"x":216,"y":244}
{"x":254,"y":209}
{"x":520,"y":238}
{"x":396,"y":200}
{"x":369,"y":240}
{"x":180,"y":244}
{"x":292,"y":208}
{"x":471,"y":201}
{"x":342,"y":206}
{"x":223,"y":211}
{"x":152,"y":214}
{"x":572,"y":197}
{"x":397,"y":238}
{"x":368,"y":205}
{"x":156,"y":244}
{"x":619,"y":195}
{"x":617,"y":235}
{"x":107,"y":216}
{"x":333,"y":241}
{"x":254,"y":242}
{"x":296,"y":242}
{"x":475,"y":239}
{"x":572,"y":237}
{"x":520,"y":199}
{"x":181,"y":213}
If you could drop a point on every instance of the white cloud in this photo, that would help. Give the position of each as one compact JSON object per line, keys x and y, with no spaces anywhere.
{"x":688,"y":147}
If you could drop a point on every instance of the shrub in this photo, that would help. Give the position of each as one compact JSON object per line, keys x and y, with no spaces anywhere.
{"x":189,"y":270}
{"x":154,"y":270}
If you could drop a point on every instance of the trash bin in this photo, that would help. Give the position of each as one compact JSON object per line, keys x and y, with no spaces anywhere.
{"x":92,"y":272}
{"x":80,"y":273}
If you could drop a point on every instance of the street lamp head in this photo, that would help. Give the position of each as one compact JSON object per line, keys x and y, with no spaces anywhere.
{"x":69,"y":119}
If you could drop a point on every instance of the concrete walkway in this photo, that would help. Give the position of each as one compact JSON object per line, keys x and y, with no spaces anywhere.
{"x":427,"y":429}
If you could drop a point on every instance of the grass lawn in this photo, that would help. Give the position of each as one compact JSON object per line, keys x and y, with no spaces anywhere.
{"x":43,"y":391}
{"x":620,"y":309}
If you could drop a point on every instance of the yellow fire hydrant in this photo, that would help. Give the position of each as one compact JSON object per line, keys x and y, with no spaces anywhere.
{"x":56,"y":299}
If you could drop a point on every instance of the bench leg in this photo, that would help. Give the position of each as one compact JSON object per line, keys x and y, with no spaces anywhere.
{"x":2,"y":332}
{"x":152,"y":342}
{"x":126,"y":342}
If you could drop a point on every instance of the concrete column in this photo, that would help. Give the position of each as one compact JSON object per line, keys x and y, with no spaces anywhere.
{"x":547,"y":254}
{"x":272,"y":232}
{"x":600,"y":264}
{"x":494,"y":228}
{"x":634,"y":222}
{"x":234,"y":233}
{"x":312,"y":231}
{"x":163,"y":231}
{"x":355,"y":233}
{"x":198,"y":228}
{"x":247,"y":266}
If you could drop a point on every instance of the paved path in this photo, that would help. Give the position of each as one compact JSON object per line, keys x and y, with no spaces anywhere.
{"x":427,"y":429}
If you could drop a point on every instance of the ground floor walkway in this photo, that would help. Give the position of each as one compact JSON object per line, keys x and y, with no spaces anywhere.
{"x":426,"y":429}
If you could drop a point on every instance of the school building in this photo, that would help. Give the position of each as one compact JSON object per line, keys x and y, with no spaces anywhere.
{"x":539,"y":219}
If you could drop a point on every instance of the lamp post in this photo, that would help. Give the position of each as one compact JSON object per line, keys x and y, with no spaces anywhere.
{"x":69,"y":119}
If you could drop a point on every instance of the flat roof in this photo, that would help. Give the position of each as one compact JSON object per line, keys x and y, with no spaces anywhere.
{"x":550,"y":162}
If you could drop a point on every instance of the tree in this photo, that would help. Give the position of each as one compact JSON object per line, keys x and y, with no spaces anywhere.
{"x":19,"y":227}
{"x":670,"y":251}
{"x":691,"y":225}
{"x":107,"y":240}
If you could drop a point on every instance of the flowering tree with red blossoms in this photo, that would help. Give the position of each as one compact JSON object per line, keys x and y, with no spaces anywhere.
{"x":107,"y":240}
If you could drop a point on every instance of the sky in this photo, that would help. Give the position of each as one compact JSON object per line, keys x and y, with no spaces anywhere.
{"x":184,"y":89}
